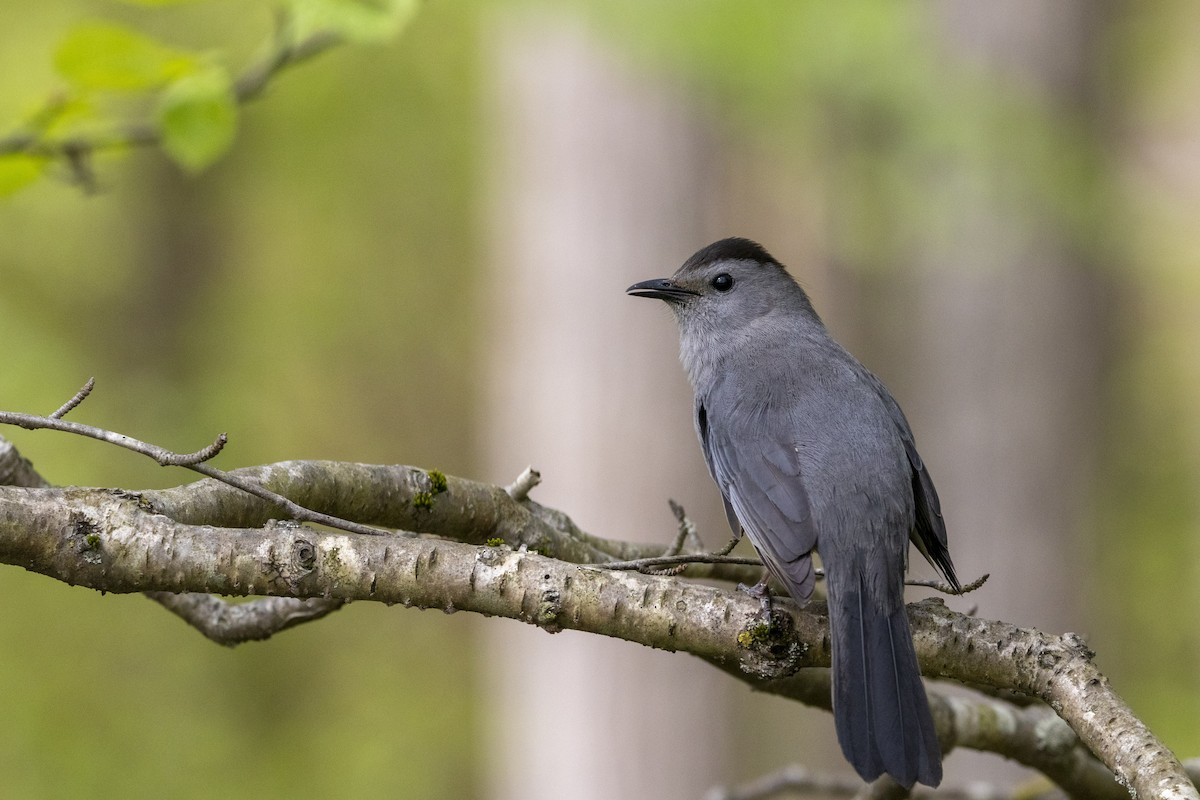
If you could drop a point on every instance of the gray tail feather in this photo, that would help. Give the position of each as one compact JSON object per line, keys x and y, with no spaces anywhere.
{"x":879,"y":703}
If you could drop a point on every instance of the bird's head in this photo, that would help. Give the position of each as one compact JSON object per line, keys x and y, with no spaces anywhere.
{"x":727,"y":287}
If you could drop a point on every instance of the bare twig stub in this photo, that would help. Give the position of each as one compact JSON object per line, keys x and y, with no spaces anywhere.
{"x":230,"y":624}
{"x":520,"y":488}
{"x":79,"y":397}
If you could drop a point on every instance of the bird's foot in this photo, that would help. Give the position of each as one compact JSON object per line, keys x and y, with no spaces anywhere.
{"x":760,"y":592}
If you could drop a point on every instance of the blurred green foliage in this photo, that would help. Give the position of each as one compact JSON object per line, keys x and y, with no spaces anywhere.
{"x":311,"y":294}
{"x":101,"y":56}
{"x":195,"y":94}
{"x":198,"y":118}
{"x":798,"y":77}
{"x":354,"y":20}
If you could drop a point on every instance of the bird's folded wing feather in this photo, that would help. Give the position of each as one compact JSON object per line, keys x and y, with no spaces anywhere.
{"x":763,"y":488}
{"x":929,"y":528}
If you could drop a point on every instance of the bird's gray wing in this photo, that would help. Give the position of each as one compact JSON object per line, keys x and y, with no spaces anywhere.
{"x":757,"y":468}
{"x":929,"y":528}
{"x":702,"y":429}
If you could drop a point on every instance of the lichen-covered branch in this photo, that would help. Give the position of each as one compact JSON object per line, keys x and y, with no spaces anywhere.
{"x":111,"y":540}
{"x":412,"y":499}
{"x":163,"y":541}
{"x":1060,"y":671}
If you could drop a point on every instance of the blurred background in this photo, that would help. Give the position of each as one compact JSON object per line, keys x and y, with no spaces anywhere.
{"x":416,"y":253}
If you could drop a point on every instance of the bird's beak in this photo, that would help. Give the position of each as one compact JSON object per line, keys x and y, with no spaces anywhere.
{"x":662,"y":289}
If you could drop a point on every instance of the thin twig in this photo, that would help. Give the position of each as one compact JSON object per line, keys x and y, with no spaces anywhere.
{"x":79,"y":397}
{"x":284,"y":52}
{"x":946,"y":589}
{"x":728,"y":548}
{"x":198,"y":457}
{"x":676,"y":562}
{"x":721,"y":556}
{"x":687,"y":533}
{"x":250,"y":84}
{"x":164,"y":457}
{"x":192,"y":461}
{"x":687,"y":528}
{"x":639,"y":564}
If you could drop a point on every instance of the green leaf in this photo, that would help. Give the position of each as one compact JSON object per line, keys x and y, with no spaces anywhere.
{"x":18,"y":170}
{"x":354,"y":20}
{"x":100,"y":55}
{"x":198,"y":118}
{"x":59,"y":114}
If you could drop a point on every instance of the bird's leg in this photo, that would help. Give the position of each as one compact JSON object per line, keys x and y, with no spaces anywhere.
{"x":760,"y":592}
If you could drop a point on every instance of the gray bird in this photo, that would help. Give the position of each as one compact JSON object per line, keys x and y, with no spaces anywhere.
{"x":811,"y":452}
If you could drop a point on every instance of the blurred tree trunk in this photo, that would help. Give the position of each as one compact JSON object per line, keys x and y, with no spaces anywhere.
{"x":181,"y":256}
{"x":601,"y":181}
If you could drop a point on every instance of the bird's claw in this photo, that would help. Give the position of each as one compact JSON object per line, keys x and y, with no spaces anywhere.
{"x":760,"y":592}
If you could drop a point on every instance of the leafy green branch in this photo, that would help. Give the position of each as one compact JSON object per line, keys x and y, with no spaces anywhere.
{"x":126,"y":89}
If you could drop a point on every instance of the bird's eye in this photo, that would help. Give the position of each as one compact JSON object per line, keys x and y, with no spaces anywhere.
{"x":723,"y":282}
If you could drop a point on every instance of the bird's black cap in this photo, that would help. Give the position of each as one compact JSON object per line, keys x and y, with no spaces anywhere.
{"x":731,"y":249}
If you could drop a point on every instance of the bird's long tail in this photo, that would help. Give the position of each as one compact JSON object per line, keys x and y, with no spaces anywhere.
{"x":879,"y":704}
